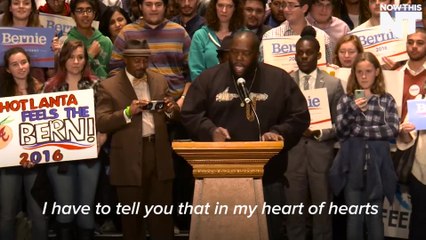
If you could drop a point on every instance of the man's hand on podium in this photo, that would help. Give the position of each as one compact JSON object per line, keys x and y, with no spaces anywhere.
{"x":220,"y":134}
{"x":271,"y":136}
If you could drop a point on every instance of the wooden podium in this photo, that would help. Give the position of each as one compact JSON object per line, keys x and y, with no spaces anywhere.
{"x":228,"y":186}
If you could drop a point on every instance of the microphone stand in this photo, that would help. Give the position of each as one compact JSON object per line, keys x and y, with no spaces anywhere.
{"x":257,"y":120}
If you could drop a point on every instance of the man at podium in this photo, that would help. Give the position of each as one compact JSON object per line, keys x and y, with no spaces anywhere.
{"x":244,"y":100}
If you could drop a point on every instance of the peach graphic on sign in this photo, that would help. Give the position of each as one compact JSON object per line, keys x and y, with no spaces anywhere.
{"x":6,"y":133}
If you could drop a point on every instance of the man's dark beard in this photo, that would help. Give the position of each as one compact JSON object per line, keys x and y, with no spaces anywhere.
{"x":191,"y":14}
{"x":421,"y":57}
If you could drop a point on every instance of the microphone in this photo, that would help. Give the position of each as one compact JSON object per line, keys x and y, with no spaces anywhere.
{"x":241,"y":82}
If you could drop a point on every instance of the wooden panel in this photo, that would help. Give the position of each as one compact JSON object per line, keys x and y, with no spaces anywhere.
{"x":227,"y":159}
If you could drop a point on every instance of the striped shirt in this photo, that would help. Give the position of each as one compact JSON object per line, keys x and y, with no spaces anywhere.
{"x":169,"y":44}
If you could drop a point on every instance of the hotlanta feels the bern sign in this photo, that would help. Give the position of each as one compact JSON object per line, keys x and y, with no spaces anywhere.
{"x":405,"y":19}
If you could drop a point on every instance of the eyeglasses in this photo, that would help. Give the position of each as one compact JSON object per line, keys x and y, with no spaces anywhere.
{"x":81,"y":11}
{"x":289,"y":6}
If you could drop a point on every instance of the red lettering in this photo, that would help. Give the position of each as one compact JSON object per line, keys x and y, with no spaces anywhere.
{"x":72,"y":100}
{"x":3,"y":134}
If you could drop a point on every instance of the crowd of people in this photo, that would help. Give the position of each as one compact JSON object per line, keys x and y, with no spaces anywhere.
{"x":191,"y":54}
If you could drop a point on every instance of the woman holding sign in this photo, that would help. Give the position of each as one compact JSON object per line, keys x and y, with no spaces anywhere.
{"x":18,"y":81}
{"x":74,"y":183}
{"x":347,"y":48}
{"x":23,"y":13}
{"x":344,"y":54}
{"x":410,"y":137}
{"x":367,"y":120}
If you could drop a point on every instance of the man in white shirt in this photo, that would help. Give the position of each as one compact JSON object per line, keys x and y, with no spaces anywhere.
{"x":295,"y":12}
{"x":310,"y":160}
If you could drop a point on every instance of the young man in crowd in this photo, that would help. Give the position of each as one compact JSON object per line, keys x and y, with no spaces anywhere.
{"x":275,"y":15}
{"x":58,"y":7}
{"x":254,"y":13}
{"x":310,"y":160}
{"x":188,"y":16}
{"x":168,"y":41}
{"x":295,"y":12}
{"x":320,"y":16}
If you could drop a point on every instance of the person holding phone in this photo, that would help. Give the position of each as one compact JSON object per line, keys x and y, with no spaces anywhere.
{"x":360,"y":94}
{"x":366,"y":121}
{"x":141,"y":155}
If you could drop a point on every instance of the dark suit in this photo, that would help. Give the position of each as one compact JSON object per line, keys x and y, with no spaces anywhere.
{"x":308,"y":165}
{"x":142,"y":170}
{"x":262,"y":30}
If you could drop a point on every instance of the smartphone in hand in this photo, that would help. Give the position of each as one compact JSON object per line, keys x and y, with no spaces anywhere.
{"x":359,"y":93}
{"x":154,"y":105}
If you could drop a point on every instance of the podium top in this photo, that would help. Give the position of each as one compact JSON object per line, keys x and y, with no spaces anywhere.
{"x":227,"y":159}
{"x":271,"y":145}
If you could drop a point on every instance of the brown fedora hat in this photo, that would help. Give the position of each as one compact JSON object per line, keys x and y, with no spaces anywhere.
{"x":136,"y":48}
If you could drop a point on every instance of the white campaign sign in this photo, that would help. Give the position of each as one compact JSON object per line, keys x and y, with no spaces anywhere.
{"x":396,"y":216}
{"x":45,"y":128}
{"x":60,"y":23}
{"x":280,"y":52}
{"x":382,"y":44}
{"x":319,"y":109}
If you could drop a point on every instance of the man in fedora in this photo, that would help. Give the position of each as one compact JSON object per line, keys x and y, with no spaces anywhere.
{"x":223,"y":50}
{"x":140,"y":157}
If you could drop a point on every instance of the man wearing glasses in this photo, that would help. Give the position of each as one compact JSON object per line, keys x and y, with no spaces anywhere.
{"x":98,"y":46}
{"x":320,"y":16}
{"x":275,"y":15}
{"x":295,"y":12}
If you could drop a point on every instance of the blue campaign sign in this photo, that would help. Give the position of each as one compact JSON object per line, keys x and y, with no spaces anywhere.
{"x":417,"y":113}
{"x":35,"y":41}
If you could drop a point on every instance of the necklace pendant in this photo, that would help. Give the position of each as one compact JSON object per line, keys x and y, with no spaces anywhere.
{"x":242,"y":104}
